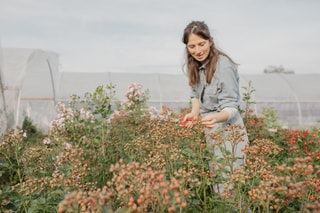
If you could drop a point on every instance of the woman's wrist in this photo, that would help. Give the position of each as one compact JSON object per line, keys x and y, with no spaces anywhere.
{"x":222,"y":116}
{"x":232,"y":112}
{"x":218,"y":116}
{"x":195,"y":113}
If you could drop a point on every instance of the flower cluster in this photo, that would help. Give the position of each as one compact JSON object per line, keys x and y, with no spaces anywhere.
{"x":67,"y":121}
{"x":303,"y":143}
{"x":277,"y":186}
{"x":137,"y":188}
{"x":73,"y":170}
{"x":92,"y":201}
{"x":11,"y":139}
{"x":143,"y":188}
{"x":146,"y":161}
{"x":135,"y":97}
{"x":135,"y":105}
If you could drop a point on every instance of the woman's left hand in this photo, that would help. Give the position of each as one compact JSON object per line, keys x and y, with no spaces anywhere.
{"x":209,"y":121}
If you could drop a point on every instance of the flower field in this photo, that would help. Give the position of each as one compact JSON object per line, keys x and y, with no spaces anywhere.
{"x":98,"y":157}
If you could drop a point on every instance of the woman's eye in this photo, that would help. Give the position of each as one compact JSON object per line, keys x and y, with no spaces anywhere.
{"x":202,"y":44}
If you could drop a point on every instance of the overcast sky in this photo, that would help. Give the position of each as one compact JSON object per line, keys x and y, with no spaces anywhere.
{"x":145,"y":35}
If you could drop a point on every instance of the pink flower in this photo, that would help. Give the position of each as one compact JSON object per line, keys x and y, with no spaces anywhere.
{"x":273,"y":130}
{"x":46,"y":141}
{"x":115,"y":114}
{"x":68,"y":146}
{"x":152,"y":117}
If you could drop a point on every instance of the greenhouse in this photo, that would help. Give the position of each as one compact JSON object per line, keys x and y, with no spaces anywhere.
{"x":31,"y":85}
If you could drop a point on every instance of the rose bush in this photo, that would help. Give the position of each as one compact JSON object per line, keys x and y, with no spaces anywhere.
{"x":99,"y":157}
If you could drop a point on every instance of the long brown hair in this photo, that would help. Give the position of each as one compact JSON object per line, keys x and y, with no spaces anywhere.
{"x":201,"y":29}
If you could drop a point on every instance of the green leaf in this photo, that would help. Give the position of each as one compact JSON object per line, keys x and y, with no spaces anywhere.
{"x":10,"y":206}
{"x":196,"y":202}
{"x":30,"y":171}
{"x":4,"y":165}
{"x":124,"y":210}
{"x":33,"y":209}
{"x":38,"y":201}
{"x":107,"y":209}
{"x":58,"y":192}
{"x":97,"y":141}
{"x":6,"y":189}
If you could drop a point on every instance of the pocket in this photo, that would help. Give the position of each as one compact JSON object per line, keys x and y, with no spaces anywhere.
{"x":210,"y":97}
{"x":213,"y":89}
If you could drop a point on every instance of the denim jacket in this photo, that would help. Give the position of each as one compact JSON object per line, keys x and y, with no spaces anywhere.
{"x":221,"y":92}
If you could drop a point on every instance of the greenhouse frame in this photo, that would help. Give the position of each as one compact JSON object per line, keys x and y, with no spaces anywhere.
{"x":31,"y":85}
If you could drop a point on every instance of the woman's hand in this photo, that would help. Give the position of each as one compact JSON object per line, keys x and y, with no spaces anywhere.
{"x":210,"y":120}
{"x":191,"y":116}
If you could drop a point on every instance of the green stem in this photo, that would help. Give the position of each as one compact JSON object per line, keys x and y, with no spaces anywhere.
{"x":8,"y":158}
{"x":19,"y":173}
{"x":205,"y":199}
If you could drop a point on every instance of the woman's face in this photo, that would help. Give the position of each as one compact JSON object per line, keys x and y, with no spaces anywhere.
{"x":198,"y":47}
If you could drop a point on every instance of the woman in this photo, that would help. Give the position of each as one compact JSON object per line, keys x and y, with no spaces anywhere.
{"x":214,"y":82}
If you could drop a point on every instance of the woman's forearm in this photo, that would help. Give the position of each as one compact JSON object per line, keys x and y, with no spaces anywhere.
{"x":221,"y":116}
{"x":210,"y":120}
{"x":195,"y":107}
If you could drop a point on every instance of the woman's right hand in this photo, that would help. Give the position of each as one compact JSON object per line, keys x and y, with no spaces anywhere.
{"x":188,"y":120}
{"x":193,"y":115}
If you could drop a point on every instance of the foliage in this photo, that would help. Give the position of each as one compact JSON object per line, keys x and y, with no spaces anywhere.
{"x":247,"y":98}
{"x":137,"y":159}
{"x":28,"y":126}
{"x":33,"y":135}
{"x":270,"y":116}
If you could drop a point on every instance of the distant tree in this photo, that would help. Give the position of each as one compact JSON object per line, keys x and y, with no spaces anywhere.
{"x":277,"y":69}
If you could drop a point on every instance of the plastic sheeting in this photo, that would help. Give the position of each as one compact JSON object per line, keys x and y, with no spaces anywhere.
{"x":297,"y":105}
{"x":3,"y":114}
{"x":164,"y":89}
{"x":295,"y":97}
{"x":28,"y":86}
{"x":31,"y":85}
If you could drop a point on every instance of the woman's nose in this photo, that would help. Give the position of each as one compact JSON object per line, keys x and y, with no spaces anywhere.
{"x":198,"y":50}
